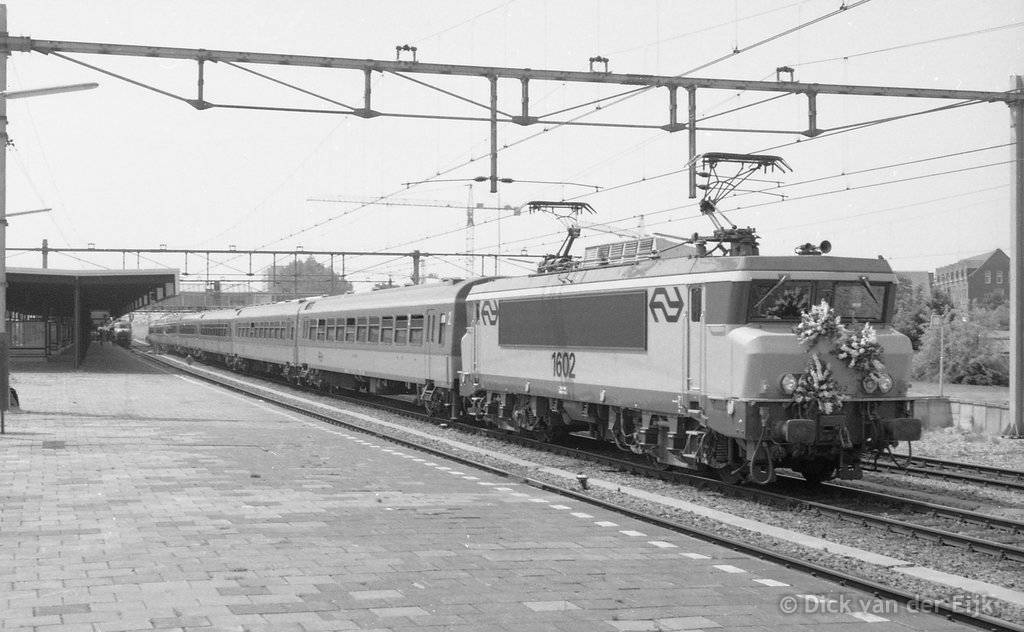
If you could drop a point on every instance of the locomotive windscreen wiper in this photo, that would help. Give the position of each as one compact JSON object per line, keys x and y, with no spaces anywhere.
{"x":867,"y":286}
{"x":782,"y":279}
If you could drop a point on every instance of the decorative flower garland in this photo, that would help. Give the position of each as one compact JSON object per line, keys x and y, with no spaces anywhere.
{"x":861,"y":351}
{"x":817,"y":386}
{"x":858,"y":349}
{"x":820,"y":322}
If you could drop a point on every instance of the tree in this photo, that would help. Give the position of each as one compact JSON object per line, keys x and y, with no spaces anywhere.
{"x":996,"y":317}
{"x":992,"y":300}
{"x":305,"y":278}
{"x":940,"y":302}
{"x":913,"y":311}
{"x":970,"y":355}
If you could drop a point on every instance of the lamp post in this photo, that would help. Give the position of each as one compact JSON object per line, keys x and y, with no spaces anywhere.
{"x":4,"y":96}
{"x":940,"y":321}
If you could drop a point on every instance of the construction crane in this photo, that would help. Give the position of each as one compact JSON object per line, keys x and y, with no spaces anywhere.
{"x":469,"y":207}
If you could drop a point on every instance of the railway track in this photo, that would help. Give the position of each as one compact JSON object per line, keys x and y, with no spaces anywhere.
{"x":1010,"y":530}
{"x":954,"y":471}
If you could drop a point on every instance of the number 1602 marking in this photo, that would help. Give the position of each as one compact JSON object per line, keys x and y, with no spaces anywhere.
{"x":563,"y":364}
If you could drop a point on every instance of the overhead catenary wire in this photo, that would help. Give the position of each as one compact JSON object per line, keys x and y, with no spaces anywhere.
{"x":793,"y":184}
{"x":844,"y":129}
{"x":347,"y":212}
{"x":631,"y":93}
{"x":772,"y":202}
{"x":621,"y":97}
{"x":888,"y":49}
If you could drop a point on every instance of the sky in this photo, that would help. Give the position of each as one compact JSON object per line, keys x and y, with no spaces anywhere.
{"x":125,"y":167}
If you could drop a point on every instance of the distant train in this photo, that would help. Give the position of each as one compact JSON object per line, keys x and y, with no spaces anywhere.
{"x":122,"y":334}
{"x":738,"y":364}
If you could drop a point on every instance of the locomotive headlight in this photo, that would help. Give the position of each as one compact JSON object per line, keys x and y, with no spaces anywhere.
{"x":788,"y":383}
{"x":869,"y":384}
{"x":885,"y":383}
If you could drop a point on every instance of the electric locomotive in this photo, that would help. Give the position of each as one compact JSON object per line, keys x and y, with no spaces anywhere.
{"x":738,"y":363}
{"x":693,"y":360}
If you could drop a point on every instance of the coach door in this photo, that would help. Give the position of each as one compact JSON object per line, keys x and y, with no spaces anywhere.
{"x":430,"y":344}
{"x":694,"y":340}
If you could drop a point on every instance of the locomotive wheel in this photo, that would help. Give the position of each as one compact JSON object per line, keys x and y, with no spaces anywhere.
{"x":548,"y":434}
{"x":652,"y":460}
{"x":731,"y":474}
{"x":818,"y":471}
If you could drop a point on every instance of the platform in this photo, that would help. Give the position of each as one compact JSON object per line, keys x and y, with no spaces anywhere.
{"x":136,"y":499}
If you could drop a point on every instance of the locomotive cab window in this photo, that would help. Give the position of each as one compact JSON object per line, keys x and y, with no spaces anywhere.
{"x":779,"y":300}
{"x":786,"y":300}
{"x":696,"y":303}
{"x":855,"y":300}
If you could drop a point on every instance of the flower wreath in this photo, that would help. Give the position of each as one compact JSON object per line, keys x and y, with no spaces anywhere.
{"x":857,"y":348}
{"x":817,"y":386}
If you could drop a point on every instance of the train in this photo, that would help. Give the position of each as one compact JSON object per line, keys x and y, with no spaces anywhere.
{"x":723,"y":360}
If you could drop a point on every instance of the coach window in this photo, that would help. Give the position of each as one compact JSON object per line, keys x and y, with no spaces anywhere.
{"x":401,"y":330}
{"x":440,"y":329}
{"x":332,"y":328}
{"x":361,"y":329}
{"x":374,"y":331}
{"x":695,"y":304}
{"x":387,"y":330}
{"x":416,"y":329}
{"x":350,"y":330}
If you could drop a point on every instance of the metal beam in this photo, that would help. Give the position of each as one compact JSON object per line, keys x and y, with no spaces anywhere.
{"x":494,"y":134}
{"x":1017,"y":266}
{"x":4,"y":333}
{"x":194,"y":251}
{"x":27,"y":44}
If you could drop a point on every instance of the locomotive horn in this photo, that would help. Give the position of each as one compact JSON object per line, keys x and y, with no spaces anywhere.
{"x":825,"y":247}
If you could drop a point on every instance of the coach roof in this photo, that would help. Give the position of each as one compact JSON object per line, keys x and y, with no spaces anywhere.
{"x":447,"y":292}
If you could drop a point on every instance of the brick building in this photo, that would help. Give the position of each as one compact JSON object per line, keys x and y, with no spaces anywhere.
{"x":975,"y":278}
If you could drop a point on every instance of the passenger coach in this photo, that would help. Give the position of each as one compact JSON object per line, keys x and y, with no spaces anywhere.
{"x":401,"y":340}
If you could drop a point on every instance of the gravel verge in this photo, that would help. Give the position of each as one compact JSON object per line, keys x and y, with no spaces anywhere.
{"x":954,"y":444}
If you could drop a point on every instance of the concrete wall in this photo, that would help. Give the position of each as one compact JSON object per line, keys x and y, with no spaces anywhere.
{"x":943,"y":412}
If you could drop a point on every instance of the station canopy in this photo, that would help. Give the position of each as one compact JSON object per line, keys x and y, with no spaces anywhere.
{"x":45,"y":291}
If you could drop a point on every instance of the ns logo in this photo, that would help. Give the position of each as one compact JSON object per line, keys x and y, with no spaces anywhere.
{"x":489,"y":312}
{"x":668,"y":302}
